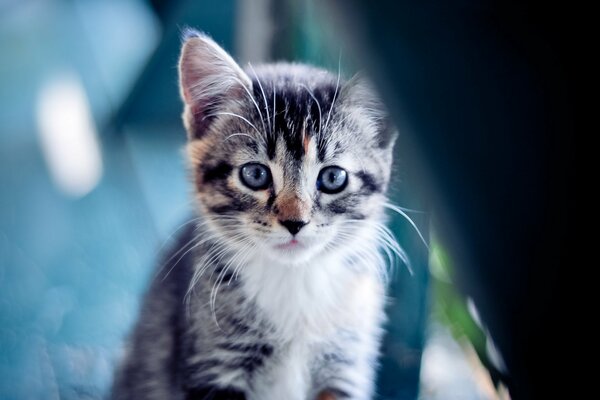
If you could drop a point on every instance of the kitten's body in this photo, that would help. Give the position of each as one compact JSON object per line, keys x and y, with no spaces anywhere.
{"x":305,"y":332}
{"x":242,"y":308}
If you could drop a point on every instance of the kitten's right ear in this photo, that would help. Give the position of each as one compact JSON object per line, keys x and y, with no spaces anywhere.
{"x":208,"y":79}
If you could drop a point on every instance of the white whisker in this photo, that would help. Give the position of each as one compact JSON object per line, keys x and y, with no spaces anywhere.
{"x":264,"y":97}
{"x":240,"y":134}
{"x":385,"y":239}
{"x":274,"y":108}
{"x":318,"y":106}
{"x":337,"y":85}
{"x":262,"y":120}
{"x":219,"y":280}
{"x":235,"y":115}
{"x":401,"y":212}
{"x":161,"y":248}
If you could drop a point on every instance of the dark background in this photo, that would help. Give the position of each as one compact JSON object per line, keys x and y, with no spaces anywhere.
{"x":489,"y":89}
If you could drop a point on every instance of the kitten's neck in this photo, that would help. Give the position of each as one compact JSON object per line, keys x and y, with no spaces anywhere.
{"x":307,"y":298}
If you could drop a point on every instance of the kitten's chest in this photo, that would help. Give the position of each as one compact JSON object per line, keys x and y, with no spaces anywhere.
{"x":309,"y":304}
{"x":310,"y":311}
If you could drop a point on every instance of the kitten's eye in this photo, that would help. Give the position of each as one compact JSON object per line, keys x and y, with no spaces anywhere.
{"x":332,"y":180}
{"x":255,"y":176}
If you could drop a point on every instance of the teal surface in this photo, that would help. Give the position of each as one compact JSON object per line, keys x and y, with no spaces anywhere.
{"x":73,"y":268}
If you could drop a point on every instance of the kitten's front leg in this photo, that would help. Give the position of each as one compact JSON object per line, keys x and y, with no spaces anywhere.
{"x":346,"y":374}
{"x":344,"y":368}
{"x":224,"y":374}
{"x":225,"y":371}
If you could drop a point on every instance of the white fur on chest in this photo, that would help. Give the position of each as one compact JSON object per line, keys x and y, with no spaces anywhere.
{"x":307,"y":306}
{"x":310,"y":302}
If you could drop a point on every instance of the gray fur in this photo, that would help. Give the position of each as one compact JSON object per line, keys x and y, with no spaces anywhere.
{"x":228,"y":317}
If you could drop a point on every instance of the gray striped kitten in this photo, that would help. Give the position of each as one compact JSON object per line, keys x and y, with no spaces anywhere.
{"x":276,"y":292}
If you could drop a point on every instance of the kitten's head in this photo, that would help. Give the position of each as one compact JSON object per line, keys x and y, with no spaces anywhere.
{"x":289,"y":161}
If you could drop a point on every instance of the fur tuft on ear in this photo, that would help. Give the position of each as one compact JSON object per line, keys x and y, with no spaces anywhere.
{"x":208,"y":79}
{"x":188,"y":33}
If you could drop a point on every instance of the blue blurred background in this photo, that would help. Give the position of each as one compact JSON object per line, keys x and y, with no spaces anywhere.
{"x":92,"y":184}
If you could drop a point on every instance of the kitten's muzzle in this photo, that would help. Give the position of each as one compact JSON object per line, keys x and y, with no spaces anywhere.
{"x":293,"y":226}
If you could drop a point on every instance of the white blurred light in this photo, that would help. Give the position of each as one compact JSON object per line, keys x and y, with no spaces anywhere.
{"x":492,"y":350}
{"x":494,"y":354}
{"x":68,"y":136}
{"x":474,"y":312}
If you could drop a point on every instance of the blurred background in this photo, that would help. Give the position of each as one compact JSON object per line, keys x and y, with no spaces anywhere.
{"x":93,"y":183}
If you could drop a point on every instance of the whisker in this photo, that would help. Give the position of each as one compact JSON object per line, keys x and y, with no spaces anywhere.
{"x":161,"y":248}
{"x":193,"y":220}
{"x":242,"y":264}
{"x":262,"y":120}
{"x":408,"y":210}
{"x":200,"y":243}
{"x":183,"y":248}
{"x":318,"y":106}
{"x":240,"y":134}
{"x":224,"y":270}
{"x":234,"y":115}
{"x":401,"y":212}
{"x":263,"y":93}
{"x":219,"y":280}
{"x":385,"y":238}
{"x":211,"y":259}
{"x":337,"y":85}
{"x":274,"y":108}
{"x":361,"y":162}
{"x":209,"y":237}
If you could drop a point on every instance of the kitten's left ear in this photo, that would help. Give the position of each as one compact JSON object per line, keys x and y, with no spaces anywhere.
{"x":359,"y":92}
{"x":208,"y":79}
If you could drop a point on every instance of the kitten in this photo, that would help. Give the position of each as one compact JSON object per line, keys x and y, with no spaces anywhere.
{"x":276,"y":291}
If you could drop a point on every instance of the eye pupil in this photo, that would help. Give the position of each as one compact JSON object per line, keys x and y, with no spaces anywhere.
{"x":332,"y":177}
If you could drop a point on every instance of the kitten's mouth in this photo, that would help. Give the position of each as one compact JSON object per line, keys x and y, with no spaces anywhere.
{"x":291,"y":244}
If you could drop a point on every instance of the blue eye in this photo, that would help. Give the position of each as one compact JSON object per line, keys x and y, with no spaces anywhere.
{"x":256,"y":176}
{"x":332,"y":180}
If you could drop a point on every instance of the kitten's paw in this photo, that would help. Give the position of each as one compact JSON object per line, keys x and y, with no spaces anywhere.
{"x":332,"y":394}
{"x":326,"y":395}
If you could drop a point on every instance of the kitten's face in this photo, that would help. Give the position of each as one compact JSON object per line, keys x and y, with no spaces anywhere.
{"x":288,"y":161}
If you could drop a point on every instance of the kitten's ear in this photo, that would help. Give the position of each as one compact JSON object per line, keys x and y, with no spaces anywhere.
{"x":208,"y":79}
{"x":359,"y":92}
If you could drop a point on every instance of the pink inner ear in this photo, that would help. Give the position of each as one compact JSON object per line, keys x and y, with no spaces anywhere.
{"x":195,"y":76}
{"x":209,"y":77}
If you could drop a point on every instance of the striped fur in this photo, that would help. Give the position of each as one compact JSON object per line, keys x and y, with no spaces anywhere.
{"x":238,"y":309}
